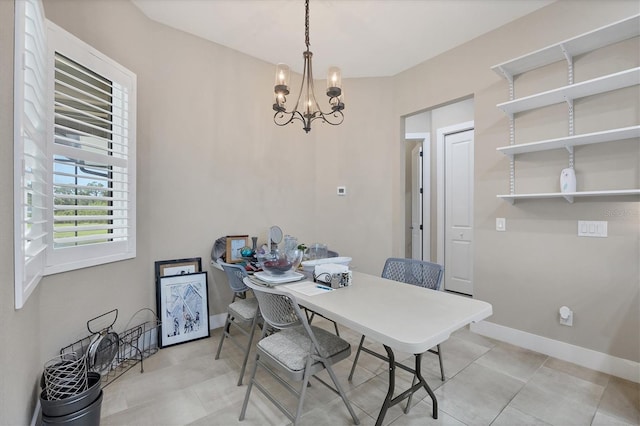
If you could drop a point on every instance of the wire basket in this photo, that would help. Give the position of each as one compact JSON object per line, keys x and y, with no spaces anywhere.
{"x":65,"y":376}
{"x":135,"y":344}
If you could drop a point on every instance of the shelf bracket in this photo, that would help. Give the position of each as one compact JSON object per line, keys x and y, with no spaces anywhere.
{"x":506,"y":74}
{"x":569,"y":198}
{"x":512,"y":158}
{"x":571,"y":130}
{"x":512,"y":174}
{"x":569,"y":59}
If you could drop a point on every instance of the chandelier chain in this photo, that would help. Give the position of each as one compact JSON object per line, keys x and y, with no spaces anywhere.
{"x":306,"y":24}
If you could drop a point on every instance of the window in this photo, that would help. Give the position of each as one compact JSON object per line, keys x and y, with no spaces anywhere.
{"x":92,"y":156}
{"x":76,"y":203}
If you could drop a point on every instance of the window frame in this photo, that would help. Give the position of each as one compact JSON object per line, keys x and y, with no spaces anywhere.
{"x":82,"y":256}
{"x":70,"y":258}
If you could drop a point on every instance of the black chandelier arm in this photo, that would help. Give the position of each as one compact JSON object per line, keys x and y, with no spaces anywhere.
{"x":282,"y":118}
{"x":334,"y":118}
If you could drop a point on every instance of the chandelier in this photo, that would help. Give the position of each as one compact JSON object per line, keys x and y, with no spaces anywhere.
{"x":307,"y":108}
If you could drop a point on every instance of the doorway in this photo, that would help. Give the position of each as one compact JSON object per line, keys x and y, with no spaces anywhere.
{"x":438,"y":201}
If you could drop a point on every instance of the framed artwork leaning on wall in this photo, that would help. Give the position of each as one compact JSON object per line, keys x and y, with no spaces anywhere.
{"x":183,"y":308}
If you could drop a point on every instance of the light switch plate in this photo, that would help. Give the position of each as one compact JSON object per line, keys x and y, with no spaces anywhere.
{"x":501,"y":224}
{"x":592,"y":228}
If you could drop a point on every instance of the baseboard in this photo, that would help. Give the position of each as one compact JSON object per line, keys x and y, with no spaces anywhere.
{"x":619,"y":367}
{"x":217,"y":321}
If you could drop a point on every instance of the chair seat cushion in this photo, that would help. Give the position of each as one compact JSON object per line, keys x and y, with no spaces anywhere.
{"x":243,"y":309}
{"x":290,"y":347}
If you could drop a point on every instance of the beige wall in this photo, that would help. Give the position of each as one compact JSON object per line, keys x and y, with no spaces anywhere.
{"x":211,"y":163}
{"x":540,"y":264}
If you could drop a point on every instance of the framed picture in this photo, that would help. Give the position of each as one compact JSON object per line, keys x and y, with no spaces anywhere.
{"x":183,"y":305}
{"x":177,"y":267}
{"x":235,"y":243}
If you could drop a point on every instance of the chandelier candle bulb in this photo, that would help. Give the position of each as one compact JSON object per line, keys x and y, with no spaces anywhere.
{"x":282,"y":79}
{"x":334,"y":82}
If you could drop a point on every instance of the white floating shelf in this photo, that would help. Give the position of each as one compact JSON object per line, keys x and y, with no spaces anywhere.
{"x":569,"y":195}
{"x":570,"y":141}
{"x":604,"y":36}
{"x":598,"y":85}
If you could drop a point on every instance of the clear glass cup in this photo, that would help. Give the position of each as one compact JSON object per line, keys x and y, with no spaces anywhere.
{"x":317,"y":251}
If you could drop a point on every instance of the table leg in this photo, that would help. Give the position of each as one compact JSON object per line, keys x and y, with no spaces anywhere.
{"x":424,"y":384}
{"x":390,"y":401}
{"x":392,"y":384}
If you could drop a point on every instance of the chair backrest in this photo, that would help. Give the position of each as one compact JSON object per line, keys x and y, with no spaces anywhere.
{"x":235,"y":276}
{"x":278,"y":309}
{"x":415,"y":272}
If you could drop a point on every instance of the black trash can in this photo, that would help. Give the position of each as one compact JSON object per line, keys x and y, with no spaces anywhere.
{"x":88,"y":416}
{"x":81,"y":409}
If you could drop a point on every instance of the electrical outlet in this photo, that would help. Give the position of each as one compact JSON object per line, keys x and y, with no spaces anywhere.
{"x":566,"y":316}
{"x":501,"y":224}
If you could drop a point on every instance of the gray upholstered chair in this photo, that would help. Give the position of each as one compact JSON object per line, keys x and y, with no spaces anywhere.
{"x":415,"y":272}
{"x":242,"y":313}
{"x":296,"y":351}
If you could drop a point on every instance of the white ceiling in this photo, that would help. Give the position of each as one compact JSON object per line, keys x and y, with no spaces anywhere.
{"x":365,"y":38}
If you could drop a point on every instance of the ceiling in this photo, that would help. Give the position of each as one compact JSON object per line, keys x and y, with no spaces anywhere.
{"x":365,"y":38}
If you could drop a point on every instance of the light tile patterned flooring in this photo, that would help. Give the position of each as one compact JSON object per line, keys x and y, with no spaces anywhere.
{"x":487,"y":383}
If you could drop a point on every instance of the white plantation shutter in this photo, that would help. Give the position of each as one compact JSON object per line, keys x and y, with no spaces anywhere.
{"x":74,"y":153}
{"x":92,"y":156}
{"x":30,"y":163}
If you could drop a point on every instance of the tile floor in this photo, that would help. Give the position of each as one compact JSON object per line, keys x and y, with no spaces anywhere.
{"x":487,"y":383}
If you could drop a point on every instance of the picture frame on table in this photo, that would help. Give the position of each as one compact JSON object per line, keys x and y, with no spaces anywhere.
{"x":183,"y":307}
{"x":177,"y":267}
{"x":235,"y":243}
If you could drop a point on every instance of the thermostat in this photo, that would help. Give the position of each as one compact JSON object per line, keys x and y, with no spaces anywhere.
{"x":342,"y":190}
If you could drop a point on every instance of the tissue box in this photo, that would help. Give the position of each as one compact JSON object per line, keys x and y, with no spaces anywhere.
{"x":334,"y":274}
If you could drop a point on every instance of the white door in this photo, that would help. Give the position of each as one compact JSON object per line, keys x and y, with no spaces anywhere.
{"x":416,"y":202}
{"x":458,"y":209}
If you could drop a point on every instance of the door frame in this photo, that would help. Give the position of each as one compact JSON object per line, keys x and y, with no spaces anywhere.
{"x":441,"y":133}
{"x":425,"y":137}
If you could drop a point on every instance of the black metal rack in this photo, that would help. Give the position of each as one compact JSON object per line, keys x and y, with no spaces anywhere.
{"x":134,"y":344}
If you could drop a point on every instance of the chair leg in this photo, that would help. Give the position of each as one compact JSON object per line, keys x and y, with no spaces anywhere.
{"x":248,"y":348}
{"x":355,"y":360}
{"x":342,"y":394}
{"x":303,"y":390}
{"x":246,"y":395}
{"x":225,"y":333}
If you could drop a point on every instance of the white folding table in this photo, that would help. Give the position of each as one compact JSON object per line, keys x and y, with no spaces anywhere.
{"x":402,"y":317}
